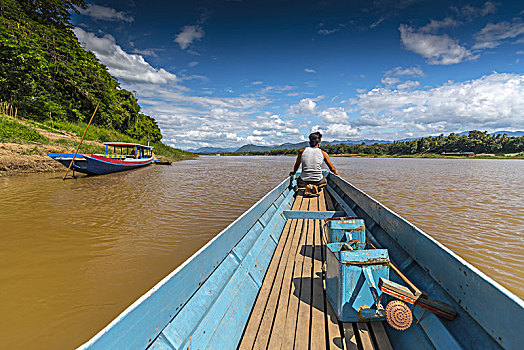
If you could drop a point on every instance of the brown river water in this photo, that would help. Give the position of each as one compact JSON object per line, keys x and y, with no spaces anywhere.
{"x":76,"y":253}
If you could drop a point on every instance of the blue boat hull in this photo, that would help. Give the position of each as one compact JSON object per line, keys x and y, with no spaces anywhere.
{"x":206,"y":302}
{"x":89,"y":165}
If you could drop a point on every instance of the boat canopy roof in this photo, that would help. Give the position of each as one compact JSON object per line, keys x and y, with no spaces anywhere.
{"x":127,"y":144}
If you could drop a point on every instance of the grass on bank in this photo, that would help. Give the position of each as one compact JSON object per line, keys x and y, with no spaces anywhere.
{"x":23,"y":131}
{"x":13,"y":131}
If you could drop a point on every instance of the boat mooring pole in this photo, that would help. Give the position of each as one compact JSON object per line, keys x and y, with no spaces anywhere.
{"x":82,"y":140}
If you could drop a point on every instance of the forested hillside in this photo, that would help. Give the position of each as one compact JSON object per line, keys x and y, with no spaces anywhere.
{"x":476,"y":141}
{"x":44,"y":71}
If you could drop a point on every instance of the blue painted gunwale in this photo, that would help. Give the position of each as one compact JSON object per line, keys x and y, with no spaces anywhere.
{"x":196,"y":296}
{"x":489,"y":316}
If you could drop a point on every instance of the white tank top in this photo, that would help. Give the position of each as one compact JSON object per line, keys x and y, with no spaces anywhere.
{"x":312,"y":159}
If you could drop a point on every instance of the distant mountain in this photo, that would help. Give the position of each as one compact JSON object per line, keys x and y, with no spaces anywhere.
{"x":509,"y":133}
{"x":212,"y":150}
{"x":252,"y":148}
{"x":287,"y":145}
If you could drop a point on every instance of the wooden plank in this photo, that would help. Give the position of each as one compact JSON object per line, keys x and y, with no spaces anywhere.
{"x":381,"y":336}
{"x":335,"y":339}
{"x":293,"y":307}
{"x":350,"y":339}
{"x":316,"y":215}
{"x":365,"y":336}
{"x":329,"y":201}
{"x":275,"y":341}
{"x":257,"y":313}
{"x":276,"y":299}
{"x":318,"y":319}
{"x":302,"y":333}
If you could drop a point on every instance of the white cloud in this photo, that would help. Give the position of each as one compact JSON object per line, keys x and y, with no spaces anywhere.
{"x":128,"y":67}
{"x":191,"y":121}
{"x":399,"y":71}
{"x":265,"y":125}
{"x":437,"y":49}
{"x":105,"y":13}
{"x":258,"y":140}
{"x":340,"y":132}
{"x":334,"y":115}
{"x":186,"y":120}
{"x":492,"y":102}
{"x":309,"y":70}
{"x":471,"y":12}
{"x":389,"y":81}
{"x":434,"y":25}
{"x":273,"y":89}
{"x":147,"y":52}
{"x":192,"y":64}
{"x":494,"y":34}
{"x":331,"y":31}
{"x":306,"y":106}
{"x":371,"y":121}
{"x":377,"y":22}
{"x":408,"y":85}
{"x":188,"y":35}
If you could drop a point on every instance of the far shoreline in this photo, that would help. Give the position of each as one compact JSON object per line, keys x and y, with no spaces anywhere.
{"x":349,"y":155}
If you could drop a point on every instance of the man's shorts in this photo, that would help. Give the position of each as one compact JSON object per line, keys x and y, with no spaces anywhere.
{"x":302,"y":184}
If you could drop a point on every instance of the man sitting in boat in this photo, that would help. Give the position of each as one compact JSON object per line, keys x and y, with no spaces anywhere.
{"x":311,"y":159}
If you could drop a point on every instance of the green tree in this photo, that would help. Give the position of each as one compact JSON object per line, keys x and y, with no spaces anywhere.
{"x":43,"y":69}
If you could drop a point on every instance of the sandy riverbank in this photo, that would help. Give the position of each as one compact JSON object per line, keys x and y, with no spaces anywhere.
{"x":30,"y":157}
{"x":19,"y":159}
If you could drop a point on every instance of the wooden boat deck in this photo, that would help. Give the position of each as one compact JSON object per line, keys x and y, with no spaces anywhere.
{"x":291,"y":310}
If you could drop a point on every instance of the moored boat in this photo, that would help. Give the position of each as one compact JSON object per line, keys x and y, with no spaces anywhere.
{"x":119,"y":156}
{"x":260,"y":283}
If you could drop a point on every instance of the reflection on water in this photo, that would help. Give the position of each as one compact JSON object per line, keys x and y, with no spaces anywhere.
{"x":76,"y":253}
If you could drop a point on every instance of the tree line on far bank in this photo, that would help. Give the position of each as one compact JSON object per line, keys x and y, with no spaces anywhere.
{"x":45,"y":73}
{"x":476,"y":141}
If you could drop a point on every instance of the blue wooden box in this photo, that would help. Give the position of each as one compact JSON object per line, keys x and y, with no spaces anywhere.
{"x":346,"y":285}
{"x":346,"y":229}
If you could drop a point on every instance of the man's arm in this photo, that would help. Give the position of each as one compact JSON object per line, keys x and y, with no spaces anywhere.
{"x":297,"y":163}
{"x":329,"y":164}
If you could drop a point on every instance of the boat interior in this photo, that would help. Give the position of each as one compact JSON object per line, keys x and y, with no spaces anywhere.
{"x":261,"y":283}
{"x":292,"y":310}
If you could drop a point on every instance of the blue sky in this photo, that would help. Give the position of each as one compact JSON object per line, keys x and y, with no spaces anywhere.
{"x":228,"y":73}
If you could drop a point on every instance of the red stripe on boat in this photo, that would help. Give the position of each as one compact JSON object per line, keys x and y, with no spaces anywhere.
{"x":119,"y":162}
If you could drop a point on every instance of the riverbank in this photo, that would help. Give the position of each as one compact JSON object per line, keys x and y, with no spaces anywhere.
{"x":362,"y":155}
{"x":433,"y":156}
{"x":25,"y":143}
